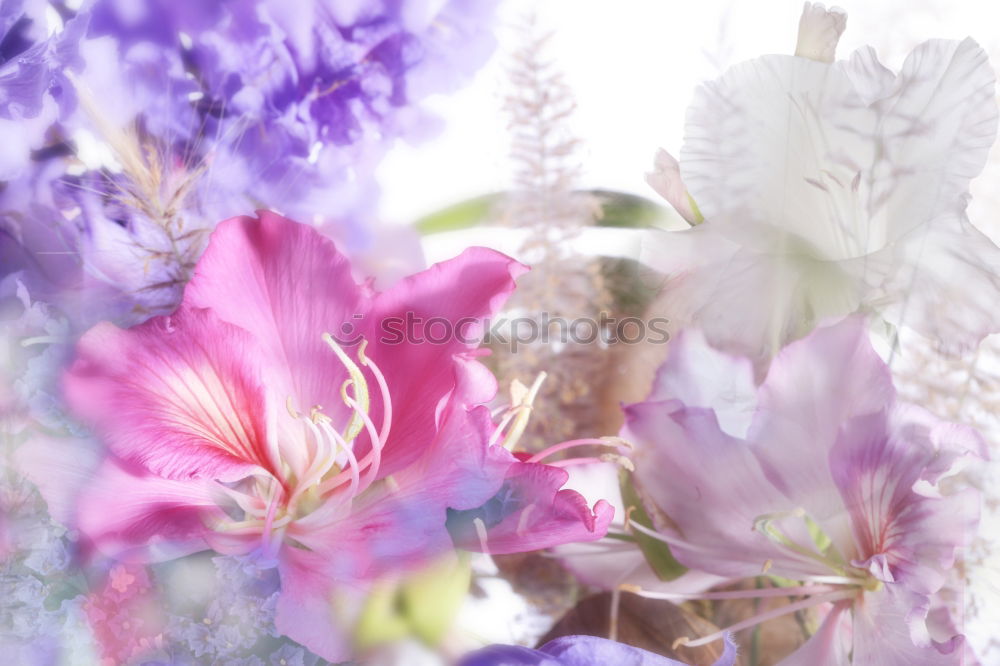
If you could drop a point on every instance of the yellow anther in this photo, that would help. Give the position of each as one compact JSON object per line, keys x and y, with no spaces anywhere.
{"x":628,"y":516}
{"x":767,"y":566}
{"x":621,"y":461}
{"x":316,"y":415}
{"x":683,"y":640}
{"x":291,"y":410}
{"x":630,"y":587}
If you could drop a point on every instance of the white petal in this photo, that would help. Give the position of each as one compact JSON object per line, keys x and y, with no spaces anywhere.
{"x":935,"y":131}
{"x":946,"y":284}
{"x":774,"y":148}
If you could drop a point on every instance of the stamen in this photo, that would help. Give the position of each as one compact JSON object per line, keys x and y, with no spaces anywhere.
{"x":291,"y":410}
{"x":765,"y":525}
{"x":481,"y":533}
{"x":325,"y":456}
{"x":616,"y":598}
{"x":669,"y":540}
{"x":615,"y":442}
{"x":523,"y":413}
{"x":628,"y":516}
{"x":383,"y":433}
{"x":357,"y":380}
{"x":352,"y":461}
{"x":374,"y":459}
{"x":522,"y":522}
{"x":769,"y":615}
{"x":762,"y":593}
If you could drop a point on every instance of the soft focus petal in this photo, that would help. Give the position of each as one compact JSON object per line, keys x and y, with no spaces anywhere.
{"x":132,"y":515}
{"x":939,"y":122}
{"x":700,"y":376}
{"x":710,"y":486}
{"x":748,"y":302}
{"x":814,"y":385}
{"x":773,"y":147}
{"x":880,"y":461}
{"x":423,"y":321}
{"x":946,"y":285}
{"x":530,"y":512}
{"x":882,"y":636}
{"x":287,"y":285}
{"x":666,"y":180}
{"x":178,"y":395}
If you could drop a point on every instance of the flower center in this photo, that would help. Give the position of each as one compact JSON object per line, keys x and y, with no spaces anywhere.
{"x":319,"y":467}
{"x":842,"y":586}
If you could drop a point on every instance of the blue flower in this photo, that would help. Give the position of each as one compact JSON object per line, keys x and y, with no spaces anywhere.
{"x":580,"y":651}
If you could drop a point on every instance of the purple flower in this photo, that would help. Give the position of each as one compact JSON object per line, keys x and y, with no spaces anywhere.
{"x":303,"y":100}
{"x":580,"y":651}
{"x":827,"y":480}
{"x":34,"y":90}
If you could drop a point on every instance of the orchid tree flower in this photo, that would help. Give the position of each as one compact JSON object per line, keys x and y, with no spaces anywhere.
{"x":580,"y":651}
{"x":288,"y":411}
{"x":819,"y":189}
{"x":827,"y":482}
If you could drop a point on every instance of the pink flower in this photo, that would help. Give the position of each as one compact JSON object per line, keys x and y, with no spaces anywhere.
{"x":124,"y":615}
{"x":826,"y":480}
{"x":240,"y":423}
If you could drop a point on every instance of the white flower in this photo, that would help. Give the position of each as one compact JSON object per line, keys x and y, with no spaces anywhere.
{"x":833,"y":188}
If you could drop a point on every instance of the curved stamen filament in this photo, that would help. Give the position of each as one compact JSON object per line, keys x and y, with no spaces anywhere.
{"x":765,"y":525}
{"x":669,"y":540}
{"x":733,"y":594}
{"x":357,"y":381}
{"x":520,"y":414}
{"x":374,"y":459}
{"x":251,"y":505}
{"x":614,"y":442}
{"x":325,"y":457}
{"x":769,"y":615}
{"x":383,"y":433}
{"x":352,"y":462}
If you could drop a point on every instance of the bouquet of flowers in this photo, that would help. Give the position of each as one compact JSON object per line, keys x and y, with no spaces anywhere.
{"x":243,"y":422}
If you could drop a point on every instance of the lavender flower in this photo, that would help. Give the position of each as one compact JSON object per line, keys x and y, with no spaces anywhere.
{"x":34,"y":89}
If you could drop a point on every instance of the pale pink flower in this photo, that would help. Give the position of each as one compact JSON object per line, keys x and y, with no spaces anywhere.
{"x":827,"y":481}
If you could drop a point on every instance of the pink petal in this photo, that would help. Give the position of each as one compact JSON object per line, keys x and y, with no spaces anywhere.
{"x":132,"y":515}
{"x":700,"y":376}
{"x":287,"y":285}
{"x":829,"y":646}
{"x":712,"y":487}
{"x":459,"y":293}
{"x":530,"y":512}
{"x":882,"y":633}
{"x":312,"y":609}
{"x":178,"y":394}
{"x":902,"y":535}
{"x":813,"y":386}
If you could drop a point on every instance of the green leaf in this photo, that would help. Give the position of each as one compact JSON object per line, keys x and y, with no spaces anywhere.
{"x":463,"y":215}
{"x":657,"y":553}
{"x":619,"y":209}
